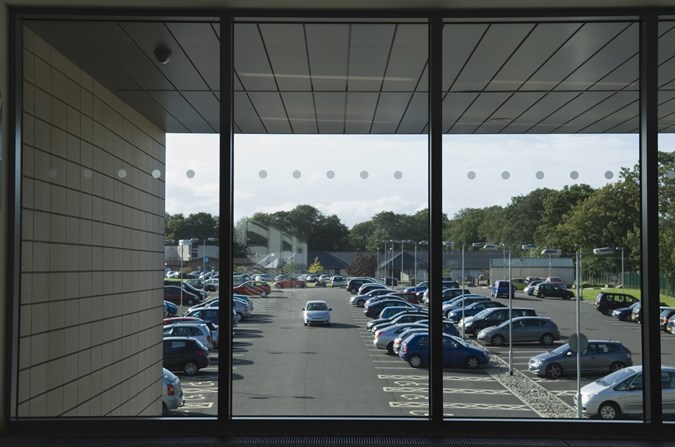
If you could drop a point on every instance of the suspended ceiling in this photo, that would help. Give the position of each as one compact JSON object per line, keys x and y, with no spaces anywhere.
{"x":358,"y":78}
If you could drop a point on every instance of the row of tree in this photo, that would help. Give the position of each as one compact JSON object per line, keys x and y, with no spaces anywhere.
{"x":577,"y":217}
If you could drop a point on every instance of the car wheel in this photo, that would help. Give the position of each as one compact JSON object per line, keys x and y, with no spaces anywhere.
{"x":472,"y":362}
{"x":415,"y":361}
{"x":547,"y":339}
{"x":240,"y":317}
{"x":390,"y":348}
{"x":616,"y":366}
{"x":352,"y":291}
{"x":540,"y":295}
{"x":553,"y":371}
{"x":609,"y":410}
{"x":190,"y":368}
{"x":360,"y":303}
{"x":497,"y":340}
{"x":607,"y":312}
{"x":263,"y":294}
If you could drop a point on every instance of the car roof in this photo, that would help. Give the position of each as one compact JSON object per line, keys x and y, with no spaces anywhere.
{"x":316,"y":301}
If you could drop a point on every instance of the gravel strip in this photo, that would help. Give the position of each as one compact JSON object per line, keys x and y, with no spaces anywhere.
{"x":543,"y":402}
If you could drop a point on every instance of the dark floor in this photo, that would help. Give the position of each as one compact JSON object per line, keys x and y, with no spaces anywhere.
{"x":310,"y":441}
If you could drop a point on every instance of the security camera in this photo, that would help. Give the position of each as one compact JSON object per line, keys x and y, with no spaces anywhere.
{"x":163,"y":54}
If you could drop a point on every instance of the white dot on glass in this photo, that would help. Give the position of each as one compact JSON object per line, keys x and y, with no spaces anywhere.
{"x":539,"y":175}
{"x":122,"y":173}
{"x":296,"y":174}
{"x":52,"y":173}
{"x":364,"y":174}
{"x":398,"y":175}
{"x":506,"y":175}
{"x":471,"y":175}
{"x":86,"y":173}
{"x":262,"y":173}
{"x":609,"y":174}
{"x":670,"y":174}
{"x":330,"y":174}
{"x":574,"y":175}
{"x":156,"y":173}
{"x":190,"y":173}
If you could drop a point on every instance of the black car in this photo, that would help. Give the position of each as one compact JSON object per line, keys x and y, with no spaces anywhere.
{"x":493,"y":317}
{"x":185,"y":354}
{"x":549,"y":289}
{"x":606,"y":302}
{"x":374,"y":310}
{"x":354,"y":284}
{"x":624,"y":313}
{"x":173,"y":295}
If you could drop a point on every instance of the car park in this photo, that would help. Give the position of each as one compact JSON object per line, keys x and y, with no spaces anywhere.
{"x":606,"y":302}
{"x":549,"y":290}
{"x":197,"y":330}
{"x":500,"y":289}
{"x":492,"y":317}
{"x":456,"y":352}
{"x":619,"y":394}
{"x":254,"y":288}
{"x":316,"y":311}
{"x":172,"y":392}
{"x":470,"y":310}
{"x":523,"y":330}
{"x":185,"y":354}
{"x":599,"y":357}
{"x":462,"y":300}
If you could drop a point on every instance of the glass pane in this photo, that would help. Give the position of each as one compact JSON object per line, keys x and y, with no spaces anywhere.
{"x":540,"y":159}
{"x":98,"y":99}
{"x":330,"y":186}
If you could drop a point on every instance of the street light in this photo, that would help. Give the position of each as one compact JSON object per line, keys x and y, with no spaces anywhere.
{"x":405,"y":241}
{"x":419,"y":243}
{"x":609,"y":251}
{"x":210,"y":239}
{"x":550,"y":252}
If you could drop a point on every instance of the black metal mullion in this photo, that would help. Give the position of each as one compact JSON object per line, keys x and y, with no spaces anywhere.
{"x":649,"y":157}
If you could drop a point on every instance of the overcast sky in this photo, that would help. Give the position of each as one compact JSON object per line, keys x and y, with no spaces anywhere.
{"x":357,"y":176}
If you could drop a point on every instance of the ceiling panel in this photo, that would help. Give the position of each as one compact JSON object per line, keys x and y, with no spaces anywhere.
{"x":250,"y":59}
{"x":588,"y":40}
{"x":508,"y":111}
{"x":201,"y":44}
{"x":328,"y":47}
{"x":175,"y":104}
{"x":207,"y":105}
{"x":154,"y":112}
{"x":271,"y":111}
{"x":390,"y":110}
{"x":492,"y":52}
{"x":622,"y":78}
{"x":285,"y":44}
{"x":368,"y":54}
{"x":300,"y":109}
{"x":459,"y":42}
{"x":454,"y":106}
{"x":539,"y":112}
{"x":408,"y":59}
{"x":330,"y":112}
{"x":475,"y":114}
{"x":616,"y":119}
{"x":360,"y":112}
{"x":613,"y":102}
{"x":245,"y":116}
{"x":569,"y":111}
{"x":415,"y":119}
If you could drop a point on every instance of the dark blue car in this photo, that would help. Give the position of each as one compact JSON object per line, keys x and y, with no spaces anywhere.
{"x":470,"y":310}
{"x":456,"y":352}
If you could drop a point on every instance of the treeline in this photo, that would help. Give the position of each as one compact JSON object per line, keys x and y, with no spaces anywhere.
{"x":577,"y":216}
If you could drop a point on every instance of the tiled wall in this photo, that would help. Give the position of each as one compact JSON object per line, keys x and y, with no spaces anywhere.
{"x":92,"y":257}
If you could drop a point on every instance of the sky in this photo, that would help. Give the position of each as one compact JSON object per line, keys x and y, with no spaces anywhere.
{"x":357,"y":176}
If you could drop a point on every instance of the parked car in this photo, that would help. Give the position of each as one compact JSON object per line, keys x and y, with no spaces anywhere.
{"x":211,"y":284}
{"x":172,"y":392}
{"x":213,"y":327}
{"x":670,"y":325}
{"x":291,"y":283}
{"x":185,"y":354}
{"x":470,"y":310}
{"x":353,"y":284}
{"x":624,"y":313}
{"x":338,"y":281}
{"x":448,"y":328}
{"x":606,"y":302}
{"x":492,"y":317}
{"x":390,"y":281}
{"x":197,"y":330}
{"x":187,"y":286}
{"x":374,"y":310}
{"x":398,"y":311}
{"x":664,"y":317}
{"x":392,"y":311}
{"x":636,"y":316}
{"x":178,"y":296}
{"x":421,"y":287}
{"x":500,"y":289}
{"x":384,"y":338}
{"x":556,"y":280}
{"x":253,"y":288}
{"x":549,"y":289}
{"x":529,"y":288}
{"x":205,"y":313}
{"x":600,"y":357}
{"x":456,"y":352}
{"x":365,"y":288}
{"x":446,"y":283}
{"x":360,"y":300}
{"x":519,"y":283}
{"x":316,"y":311}
{"x":523,"y":329}
{"x":619,"y":394}
{"x":465,"y":300}
{"x":312,"y":277}
{"x":170,"y":309}
{"x":400,"y":319}
{"x":446,"y":294}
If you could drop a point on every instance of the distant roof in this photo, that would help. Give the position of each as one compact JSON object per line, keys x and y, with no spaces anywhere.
{"x":532,"y":262}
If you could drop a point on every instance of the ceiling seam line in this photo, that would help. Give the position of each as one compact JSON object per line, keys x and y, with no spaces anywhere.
{"x":380,"y":92}
{"x":199,"y":73}
{"x":311,"y":79}
{"x":615,"y":112}
{"x":588,"y":109}
{"x":347,"y":68}
{"x":553,"y":112}
{"x":496,"y":109}
{"x":274,"y":77}
{"x":515,"y":50}
{"x":468,"y":58}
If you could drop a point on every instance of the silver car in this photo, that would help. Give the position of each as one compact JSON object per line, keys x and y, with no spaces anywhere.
{"x":600,"y":357}
{"x":524,"y":329}
{"x":384,"y":338}
{"x":172,"y":392}
{"x":620,"y":394}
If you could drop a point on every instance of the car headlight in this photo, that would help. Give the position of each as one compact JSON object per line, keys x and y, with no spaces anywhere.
{"x":535,"y":363}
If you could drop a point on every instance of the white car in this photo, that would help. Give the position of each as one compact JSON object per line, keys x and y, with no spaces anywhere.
{"x":316,"y":311}
{"x":620,"y":394}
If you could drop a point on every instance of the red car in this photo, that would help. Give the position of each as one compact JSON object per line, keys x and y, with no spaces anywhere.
{"x":253,"y":288}
{"x":291,"y":283}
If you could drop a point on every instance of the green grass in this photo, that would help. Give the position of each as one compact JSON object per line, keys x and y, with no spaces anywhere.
{"x":591,"y":293}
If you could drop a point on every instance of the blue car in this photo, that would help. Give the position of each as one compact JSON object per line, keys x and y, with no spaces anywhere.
{"x":170,"y":309}
{"x":421,"y":287}
{"x":470,"y":310}
{"x":456,"y":352}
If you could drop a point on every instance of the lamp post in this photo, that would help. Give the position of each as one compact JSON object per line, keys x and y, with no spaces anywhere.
{"x":419,"y":243}
{"x":448,"y":244}
{"x":550,"y":252}
{"x":510,"y":317}
{"x":405,"y":241}
{"x":210,"y":239}
{"x":608,"y":251}
{"x":622,"y":271}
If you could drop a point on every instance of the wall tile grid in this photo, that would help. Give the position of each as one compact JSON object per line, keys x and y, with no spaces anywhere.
{"x":92,"y":246}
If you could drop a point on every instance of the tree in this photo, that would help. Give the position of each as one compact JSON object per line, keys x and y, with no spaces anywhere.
{"x":315,"y":267}
{"x":362,"y":265}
